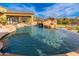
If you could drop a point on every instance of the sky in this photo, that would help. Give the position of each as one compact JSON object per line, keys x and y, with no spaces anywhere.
{"x":45,"y":10}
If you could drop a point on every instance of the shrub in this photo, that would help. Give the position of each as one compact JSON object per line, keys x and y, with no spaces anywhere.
{"x":77,"y":27}
{"x":3,"y":20}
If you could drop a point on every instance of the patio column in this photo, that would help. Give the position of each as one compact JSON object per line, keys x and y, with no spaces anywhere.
{"x":16,"y":19}
{"x":19,"y":19}
{"x":9,"y":20}
{"x":31,"y":19}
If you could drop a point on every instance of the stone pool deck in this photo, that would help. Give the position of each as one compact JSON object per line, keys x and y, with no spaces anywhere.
{"x":67,"y":54}
{"x":7,"y":54}
{"x":72,"y":54}
{"x":2,"y":34}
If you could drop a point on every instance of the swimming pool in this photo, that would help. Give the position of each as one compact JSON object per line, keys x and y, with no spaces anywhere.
{"x":35,"y":41}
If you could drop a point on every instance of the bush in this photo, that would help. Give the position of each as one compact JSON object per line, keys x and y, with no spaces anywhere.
{"x":3,"y":20}
{"x":77,"y":27}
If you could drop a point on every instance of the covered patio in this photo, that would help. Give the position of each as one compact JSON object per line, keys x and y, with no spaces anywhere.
{"x":14,"y":18}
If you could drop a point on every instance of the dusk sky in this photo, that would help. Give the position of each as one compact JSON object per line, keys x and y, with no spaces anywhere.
{"x":46,"y":9}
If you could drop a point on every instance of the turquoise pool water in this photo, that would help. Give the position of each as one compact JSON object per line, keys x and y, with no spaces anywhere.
{"x":34,"y":41}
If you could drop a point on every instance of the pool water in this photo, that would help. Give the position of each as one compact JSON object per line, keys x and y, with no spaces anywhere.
{"x":36,"y":41}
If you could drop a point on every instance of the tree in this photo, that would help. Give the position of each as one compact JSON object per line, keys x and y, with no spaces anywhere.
{"x":3,"y":19}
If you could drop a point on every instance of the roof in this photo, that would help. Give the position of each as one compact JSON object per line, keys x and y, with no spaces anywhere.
{"x":4,"y":10}
{"x":18,"y":13}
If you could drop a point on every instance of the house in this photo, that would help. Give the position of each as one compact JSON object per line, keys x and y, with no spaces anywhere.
{"x":15,"y":17}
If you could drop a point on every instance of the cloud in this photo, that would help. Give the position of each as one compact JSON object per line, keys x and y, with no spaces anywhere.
{"x":61,"y":10}
{"x":20,"y":7}
{"x":56,"y":10}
